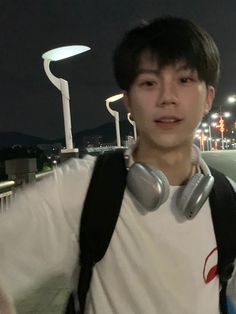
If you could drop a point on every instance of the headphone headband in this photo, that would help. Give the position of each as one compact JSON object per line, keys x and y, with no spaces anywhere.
{"x":196,"y":158}
{"x":150,"y":186}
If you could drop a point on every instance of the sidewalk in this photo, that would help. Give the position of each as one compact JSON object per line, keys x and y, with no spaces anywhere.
{"x":48,"y":299}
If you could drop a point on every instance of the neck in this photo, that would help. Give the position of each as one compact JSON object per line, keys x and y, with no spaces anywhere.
{"x":175,"y":163}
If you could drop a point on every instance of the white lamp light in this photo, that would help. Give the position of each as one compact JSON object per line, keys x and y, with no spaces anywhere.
{"x":115,"y":114}
{"x":55,"y":55}
{"x":232,"y":99}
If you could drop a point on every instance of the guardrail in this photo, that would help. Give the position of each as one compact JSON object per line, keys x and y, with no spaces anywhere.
{"x":7,"y":190}
{"x":6,"y":193}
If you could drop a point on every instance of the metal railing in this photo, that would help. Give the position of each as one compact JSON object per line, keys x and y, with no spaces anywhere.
{"x":6,"y":193}
{"x":7,"y":190}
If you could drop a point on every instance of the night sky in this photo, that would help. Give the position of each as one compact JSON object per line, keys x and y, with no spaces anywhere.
{"x":30,"y":104}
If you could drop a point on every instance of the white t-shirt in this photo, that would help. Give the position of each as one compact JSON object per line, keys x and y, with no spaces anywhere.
{"x":157,"y":262}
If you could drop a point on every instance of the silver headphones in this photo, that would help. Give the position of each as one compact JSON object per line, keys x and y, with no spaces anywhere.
{"x":150,"y":187}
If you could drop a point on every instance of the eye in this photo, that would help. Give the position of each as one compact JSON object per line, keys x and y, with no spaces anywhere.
{"x":186,"y":79}
{"x":148,"y":83}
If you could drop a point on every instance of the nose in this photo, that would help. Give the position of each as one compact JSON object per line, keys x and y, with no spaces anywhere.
{"x":168,"y":94}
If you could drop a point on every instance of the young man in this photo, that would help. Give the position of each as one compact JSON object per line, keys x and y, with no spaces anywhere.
{"x":158,"y":260}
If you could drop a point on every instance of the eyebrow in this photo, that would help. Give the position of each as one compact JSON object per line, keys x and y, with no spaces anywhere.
{"x":182,"y":67}
{"x":148,"y":71}
{"x":178,"y":68}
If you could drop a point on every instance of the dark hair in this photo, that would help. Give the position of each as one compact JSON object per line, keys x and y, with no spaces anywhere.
{"x":168,"y":39}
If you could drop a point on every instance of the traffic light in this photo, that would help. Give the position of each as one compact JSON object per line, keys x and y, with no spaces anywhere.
{"x":222,"y":126}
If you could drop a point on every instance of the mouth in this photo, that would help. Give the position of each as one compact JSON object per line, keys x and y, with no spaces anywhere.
{"x":168,"y":122}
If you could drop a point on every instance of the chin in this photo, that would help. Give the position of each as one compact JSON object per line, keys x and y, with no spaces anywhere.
{"x":172,"y":145}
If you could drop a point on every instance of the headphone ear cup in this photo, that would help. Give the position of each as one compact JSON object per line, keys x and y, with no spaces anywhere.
{"x":148,"y":185}
{"x":196,"y":192}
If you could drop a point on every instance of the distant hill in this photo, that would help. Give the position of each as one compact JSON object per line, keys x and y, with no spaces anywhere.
{"x":107,"y":131}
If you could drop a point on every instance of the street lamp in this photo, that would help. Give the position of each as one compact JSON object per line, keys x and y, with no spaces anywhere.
{"x":221,"y":115}
{"x":131,"y":121}
{"x":204,"y":135}
{"x":209,"y":138}
{"x":56,"y":55}
{"x":115,"y":114}
{"x":198,"y":135}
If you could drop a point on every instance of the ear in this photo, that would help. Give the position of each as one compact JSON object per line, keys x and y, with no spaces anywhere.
{"x":209,"y":99}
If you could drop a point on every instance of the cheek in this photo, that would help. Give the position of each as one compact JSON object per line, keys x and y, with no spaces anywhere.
{"x":198,"y":103}
{"x":135,"y":107}
{"x":195,"y":117}
{"x":141,"y":112}
{"x":203,"y":99}
{"x":137,"y":114}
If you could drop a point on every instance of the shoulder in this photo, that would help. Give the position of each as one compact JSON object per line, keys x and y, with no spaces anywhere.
{"x":75,"y":169}
{"x":78,"y":164}
{"x":73,"y":176}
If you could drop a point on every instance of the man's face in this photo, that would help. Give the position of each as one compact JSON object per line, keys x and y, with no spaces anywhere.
{"x":167,"y":104}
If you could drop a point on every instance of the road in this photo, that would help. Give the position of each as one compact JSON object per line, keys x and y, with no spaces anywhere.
{"x":222,"y":160}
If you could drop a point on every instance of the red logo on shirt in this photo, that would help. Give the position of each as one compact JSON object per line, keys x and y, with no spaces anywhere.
{"x":210,"y":266}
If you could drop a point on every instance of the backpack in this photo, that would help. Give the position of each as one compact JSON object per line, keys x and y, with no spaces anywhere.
{"x":97,"y":226}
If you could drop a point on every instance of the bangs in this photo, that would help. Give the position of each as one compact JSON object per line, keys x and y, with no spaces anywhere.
{"x":168,"y":49}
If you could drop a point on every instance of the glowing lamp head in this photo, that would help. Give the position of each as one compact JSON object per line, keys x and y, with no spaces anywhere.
{"x":64,"y":52}
{"x":232,"y":99}
{"x":114,"y":98}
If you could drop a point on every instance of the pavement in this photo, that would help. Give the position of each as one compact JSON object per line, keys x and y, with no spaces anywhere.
{"x":47,"y":299}
{"x":222,"y":160}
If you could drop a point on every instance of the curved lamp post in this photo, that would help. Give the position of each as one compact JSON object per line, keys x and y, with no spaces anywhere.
{"x":56,"y":55}
{"x":115,"y":114}
{"x":133,"y":124}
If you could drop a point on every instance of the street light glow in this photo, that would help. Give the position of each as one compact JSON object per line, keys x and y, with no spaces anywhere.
{"x":218,"y":115}
{"x":64,"y":52}
{"x":226,"y":114}
{"x":114,"y":98}
{"x":214,"y":115}
{"x":232,"y":99}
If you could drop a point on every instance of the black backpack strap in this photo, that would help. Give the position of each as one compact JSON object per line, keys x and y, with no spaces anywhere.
{"x":223,"y":208}
{"x":100,"y":213}
{"x":98,"y":220}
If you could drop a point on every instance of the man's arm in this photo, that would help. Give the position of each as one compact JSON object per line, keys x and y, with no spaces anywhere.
{"x":39,"y":233}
